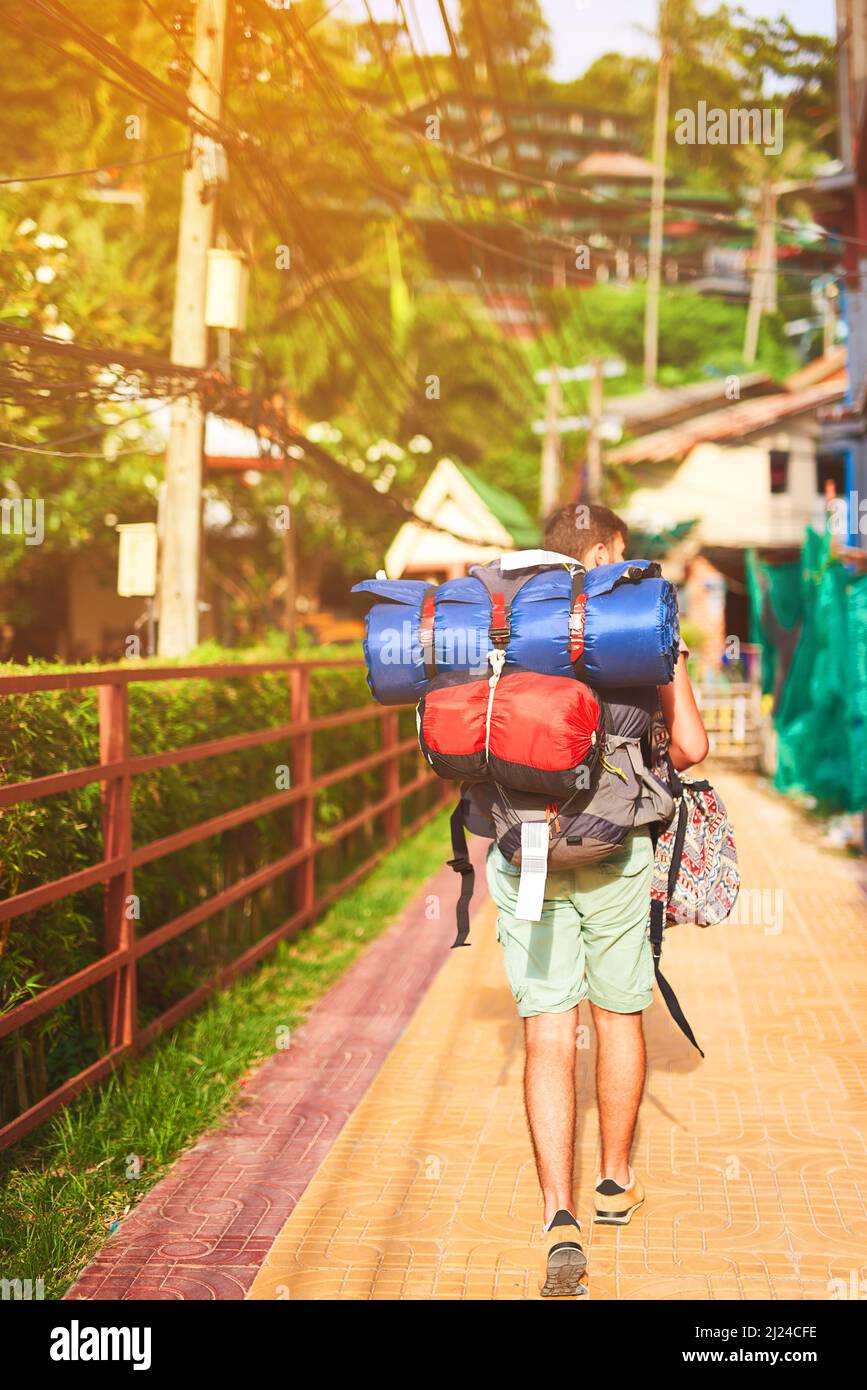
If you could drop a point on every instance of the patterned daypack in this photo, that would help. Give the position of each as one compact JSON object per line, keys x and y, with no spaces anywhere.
{"x":695,"y":873}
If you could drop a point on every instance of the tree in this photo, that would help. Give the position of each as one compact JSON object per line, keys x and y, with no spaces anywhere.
{"x":514,"y":31}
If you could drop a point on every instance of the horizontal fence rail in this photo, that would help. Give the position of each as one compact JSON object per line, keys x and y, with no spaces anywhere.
{"x":122,"y":947}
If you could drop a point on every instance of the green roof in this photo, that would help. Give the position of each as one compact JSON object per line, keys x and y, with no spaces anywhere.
{"x":510,"y":513}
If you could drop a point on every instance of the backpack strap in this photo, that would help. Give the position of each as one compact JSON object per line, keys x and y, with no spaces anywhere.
{"x":501,"y":620}
{"x":677,"y":849}
{"x":502,"y":588}
{"x":657,"y":923}
{"x":462,"y":865}
{"x":426,"y":632}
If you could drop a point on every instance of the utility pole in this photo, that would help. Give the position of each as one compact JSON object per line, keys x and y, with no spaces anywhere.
{"x":290,"y":557}
{"x":829,"y":317}
{"x":179,"y":588}
{"x":763,"y":290}
{"x":657,"y":202}
{"x":549,"y":482}
{"x":594,"y":436}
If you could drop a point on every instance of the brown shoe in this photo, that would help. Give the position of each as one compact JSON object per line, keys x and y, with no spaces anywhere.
{"x":615,"y":1204}
{"x":565,"y":1262}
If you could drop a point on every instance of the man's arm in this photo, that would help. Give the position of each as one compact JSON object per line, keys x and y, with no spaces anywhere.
{"x":683,"y":720}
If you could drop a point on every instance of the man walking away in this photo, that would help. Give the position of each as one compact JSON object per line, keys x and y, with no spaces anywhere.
{"x":590,"y":944}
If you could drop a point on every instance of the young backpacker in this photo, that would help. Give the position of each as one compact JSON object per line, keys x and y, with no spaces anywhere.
{"x":573,"y":937}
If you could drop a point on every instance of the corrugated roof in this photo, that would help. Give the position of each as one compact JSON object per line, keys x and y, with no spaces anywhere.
{"x":640,"y":410}
{"x":820,"y":369}
{"x":616,"y":164}
{"x":736,"y":421}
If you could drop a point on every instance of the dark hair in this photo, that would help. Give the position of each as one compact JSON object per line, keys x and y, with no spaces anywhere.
{"x":575,"y":529}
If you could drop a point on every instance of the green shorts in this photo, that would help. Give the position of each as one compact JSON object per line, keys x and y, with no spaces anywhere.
{"x":592,"y":941}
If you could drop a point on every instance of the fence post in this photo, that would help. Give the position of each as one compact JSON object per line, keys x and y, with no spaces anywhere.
{"x":390,"y":730}
{"x":302,"y":773}
{"x":119,"y":925}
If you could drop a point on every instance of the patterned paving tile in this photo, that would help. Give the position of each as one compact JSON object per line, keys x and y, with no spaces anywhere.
{"x":203,"y":1231}
{"x":754,"y":1160}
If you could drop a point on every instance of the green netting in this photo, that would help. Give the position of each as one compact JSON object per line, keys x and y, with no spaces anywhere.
{"x":821,"y":714}
{"x":782,"y":584}
{"x":856,"y":716}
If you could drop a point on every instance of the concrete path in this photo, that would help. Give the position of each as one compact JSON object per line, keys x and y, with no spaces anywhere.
{"x":754,"y":1160}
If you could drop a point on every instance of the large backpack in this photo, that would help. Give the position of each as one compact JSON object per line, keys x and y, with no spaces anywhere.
{"x":520,"y":730}
{"x":695,"y":874}
{"x":543,"y":749}
{"x":615,"y":625}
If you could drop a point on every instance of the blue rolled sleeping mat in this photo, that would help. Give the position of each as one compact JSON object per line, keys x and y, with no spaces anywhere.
{"x":616,"y":625}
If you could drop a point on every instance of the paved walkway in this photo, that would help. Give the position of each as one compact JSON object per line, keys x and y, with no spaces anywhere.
{"x":754,"y":1159}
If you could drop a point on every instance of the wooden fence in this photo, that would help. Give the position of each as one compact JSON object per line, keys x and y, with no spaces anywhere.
{"x":123,"y":949}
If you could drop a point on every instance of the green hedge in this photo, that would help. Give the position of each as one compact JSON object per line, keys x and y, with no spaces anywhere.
{"x":50,"y":732}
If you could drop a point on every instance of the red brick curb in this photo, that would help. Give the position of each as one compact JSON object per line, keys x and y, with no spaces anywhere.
{"x":204,"y":1229}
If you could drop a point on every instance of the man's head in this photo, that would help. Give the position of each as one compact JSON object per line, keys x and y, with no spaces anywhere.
{"x":592,"y":534}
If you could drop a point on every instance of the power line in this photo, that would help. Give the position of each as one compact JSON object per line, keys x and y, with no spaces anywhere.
{"x":336,"y":91}
{"x":180,"y":45}
{"x":442,"y":192}
{"x":337,"y":87}
{"x":434,"y":183}
{"x":266,"y":418}
{"x":96,"y":169}
{"x":164,"y":99}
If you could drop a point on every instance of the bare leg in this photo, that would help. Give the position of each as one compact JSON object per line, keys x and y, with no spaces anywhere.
{"x":549,"y":1093}
{"x":621,"y":1062}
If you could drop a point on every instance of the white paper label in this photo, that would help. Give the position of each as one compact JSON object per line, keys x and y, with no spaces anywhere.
{"x":528,"y":559}
{"x":534,"y":870}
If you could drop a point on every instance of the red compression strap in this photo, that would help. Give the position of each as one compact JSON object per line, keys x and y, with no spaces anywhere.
{"x":426,"y":633}
{"x":576,"y":627}
{"x":499,"y":630}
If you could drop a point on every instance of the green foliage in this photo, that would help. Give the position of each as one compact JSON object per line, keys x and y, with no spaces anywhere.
{"x":514,"y":32}
{"x":726,"y":58}
{"x":54,"y":731}
{"x":348,"y":329}
{"x":697,"y":336}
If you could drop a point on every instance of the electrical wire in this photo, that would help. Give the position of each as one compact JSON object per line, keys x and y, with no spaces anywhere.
{"x":324,"y":75}
{"x":180,"y":45}
{"x":96,"y":169}
{"x":334,"y":93}
{"x":267,"y":420}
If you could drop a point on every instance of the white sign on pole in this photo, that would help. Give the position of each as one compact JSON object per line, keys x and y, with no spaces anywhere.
{"x":610,"y":429}
{"x":227,"y":284}
{"x":612,"y":366}
{"x":137,"y":560}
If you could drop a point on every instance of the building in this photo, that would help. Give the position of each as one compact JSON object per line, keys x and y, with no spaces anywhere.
{"x":749,"y":474}
{"x":840,"y":199}
{"x":89,"y":619}
{"x":480,"y":521}
{"x":557,"y":194}
{"x":570,"y":174}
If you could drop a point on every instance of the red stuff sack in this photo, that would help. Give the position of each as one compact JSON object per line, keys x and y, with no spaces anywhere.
{"x":531,"y":732}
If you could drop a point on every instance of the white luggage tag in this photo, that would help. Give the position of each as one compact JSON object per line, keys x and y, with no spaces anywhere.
{"x":534,"y":870}
{"x":529,"y":559}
